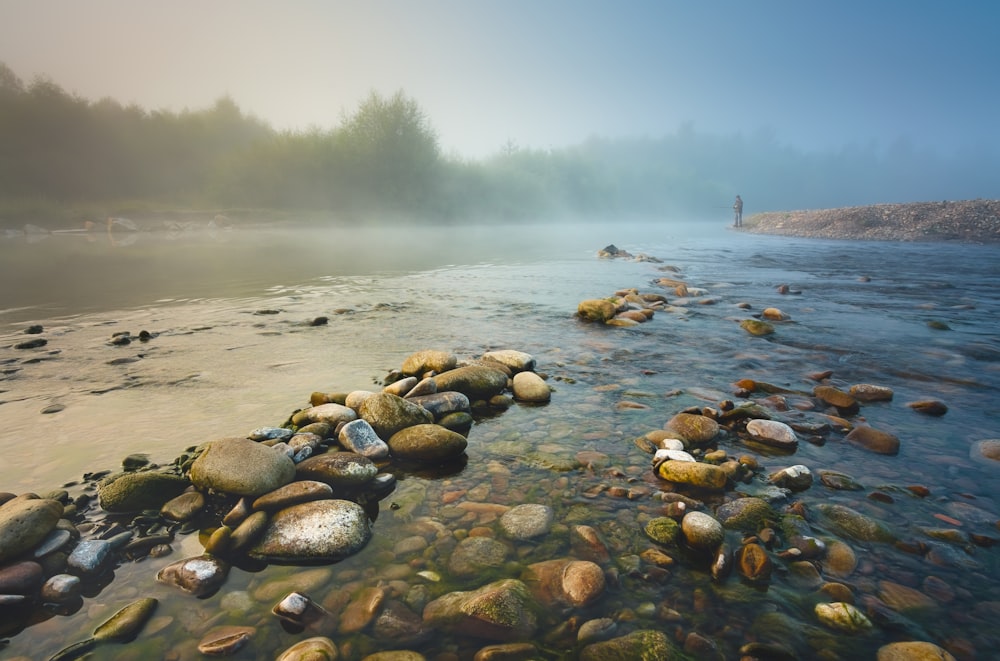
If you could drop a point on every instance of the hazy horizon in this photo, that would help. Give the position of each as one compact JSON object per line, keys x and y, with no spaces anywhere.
{"x":541,"y":75}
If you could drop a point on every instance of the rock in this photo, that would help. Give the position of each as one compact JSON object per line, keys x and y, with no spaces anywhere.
{"x":473,"y":381}
{"x":594,"y":630}
{"x":753,"y":563}
{"x":317,"y":531}
{"x":663,"y":530}
{"x":866,"y":392}
{"x":476,"y":555}
{"x":903,"y":599}
{"x":932,"y":407}
{"x":844,"y":403}
{"x":697,"y":474}
{"x":774,"y":314}
{"x":515,"y":361}
{"x":428,"y":360}
{"x":388,"y":414}
{"x":644,"y":645}
{"x":693,"y":429}
{"x":524,"y":522}
{"x":398,"y":623}
{"x":300,"y":491}
{"x":986,"y":451}
{"x":842,"y":617}
{"x":745,"y":514}
{"x":141,"y":490}
{"x":25,"y":522}
{"x":773,"y":433}
{"x":596,"y":309}
{"x":427,"y":386}
{"x":565,"y":582}
{"x":840,"y":560}
{"x":21,"y":577}
{"x":441,"y":404}
{"x":913,"y":651}
{"x":90,"y":556}
{"x":874,"y":440}
{"x":361,"y":610}
{"x":427,"y":443}
{"x":184,"y":507}
{"x":319,"y":648}
{"x":225,"y":640}
{"x":529,"y":387}
{"x":340,"y":470}
{"x":503,"y":610}
{"x":757,"y":327}
{"x":199,"y":576}
{"x":60,"y":588}
{"x":702,"y":531}
{"x":839,"y":481}
{"x":794,"y":478}
{"x":847,"y":522}
{"x":402,"y":387}
{"x":300,"y":610}
{"x":241,"y":467}
{"x":330,"y":413}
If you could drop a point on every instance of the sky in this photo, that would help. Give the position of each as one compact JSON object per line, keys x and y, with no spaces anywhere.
{"x":542,"y":73}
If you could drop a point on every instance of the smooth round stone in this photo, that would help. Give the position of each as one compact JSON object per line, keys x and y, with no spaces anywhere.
{"x":356,"y":398}
{"x":388,"y":414}
{"x":428,"y":360}
{"x":932,"y":407}
{"x":311,"y":649}
{"x":705,"y":476}
{"x":402,"y":387}
{"x":844,"y":521}
{"x":529,"y":387}
{"x":270,"y":434}
{"x":596,"y":309}
{"x":502,"y":610}
{"x":473,"y":381}
{"x":641,"y":644}
{"x":842,"y":617}
{"x":317,"y":531}
{"x":331,"y":413}
{"x":747,"y":514}
{"x":702,"y":531}
{"x":757,"y":327}
{"x":867,"y":392}
{"x":669,"y":443}
{"x":198,"y":576}
{"x":795,"y":478}
{"x":427,"y":443}
{"x":599,"y":629}
{"x":248,"y":531}
{"x":473,"y":555}
{"x":874,"y":440}
{"x":184,"y":507}
{"x":359,"y":436}
{"x":90,"y":556}
{"x":526,"y":521}
{"x":840,"y":560}
{"x":426,"y":386}
{"x":753,"y":563}
{"x":515,"y":361}
{"x":440,"y":404}
{"x":839,"y":399}
{"x":692,"y":428}
{"x":396,"y":655}
{"x":913,"y":651}
{"x":565,"y":582}
{"x":676,"y":455}
{"x":301,"y":491}
{"x":663,"y":530}
{"x":773,"y":433}
{"x":54,"y":541}
{"x":21,"y":577}
{"x":341,"y":470}
{"x":241,"y":467}
{"x":60,"y":588}
{"x":986,"y":451}
{"x":774,"y":314}
{"x":25,"y":523}
{"x":225,"y":640}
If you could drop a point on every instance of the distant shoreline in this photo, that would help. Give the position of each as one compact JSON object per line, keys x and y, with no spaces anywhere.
{"x":969,"y":221}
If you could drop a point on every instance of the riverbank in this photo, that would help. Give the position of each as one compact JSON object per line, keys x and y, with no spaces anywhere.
{"x":973,"y":221}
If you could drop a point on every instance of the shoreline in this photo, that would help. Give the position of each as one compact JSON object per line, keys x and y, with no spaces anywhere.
{"x":967,"y":221}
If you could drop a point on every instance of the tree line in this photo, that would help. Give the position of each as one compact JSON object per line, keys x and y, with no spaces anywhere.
{"x":61,"y":151}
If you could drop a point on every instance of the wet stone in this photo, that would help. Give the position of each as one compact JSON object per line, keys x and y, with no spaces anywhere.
{"x":317,"y":531}
{"x":198,"y":576}
{"x":526,"y":521}
{"x":874,"y":440}
{"x":294,"y":493}
{"x":474,"y":555}
{"x":241,"y":467}
{"x":340,"y":470}
{"x":773,"y":433}
{"x":702,"y":531}
{"x":183,"y":507}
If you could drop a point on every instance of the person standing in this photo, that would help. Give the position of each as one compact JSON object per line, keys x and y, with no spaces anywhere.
{"x":738,"y":209}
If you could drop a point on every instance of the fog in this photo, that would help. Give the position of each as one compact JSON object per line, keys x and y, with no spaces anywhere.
{"x":525,"y":109}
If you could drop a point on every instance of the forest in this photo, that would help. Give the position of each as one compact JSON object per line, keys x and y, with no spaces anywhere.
{"x":66,"y":159}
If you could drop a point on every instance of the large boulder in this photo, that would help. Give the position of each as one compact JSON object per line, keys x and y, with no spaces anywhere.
{"x":427,"y":443}
{"x":388,"y":413}
{"x":241,"y":467}
{"x":473,"y":381}
{"x":136,"y":491}
{"x":317,"y":531}
{"x":596,"y":309}
{"x":25,"y":522}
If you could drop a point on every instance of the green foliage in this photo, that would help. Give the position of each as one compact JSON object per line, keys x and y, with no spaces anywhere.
{"x":383,"y":160}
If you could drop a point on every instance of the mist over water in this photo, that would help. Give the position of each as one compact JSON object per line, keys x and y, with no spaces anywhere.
{"x":233,"y":349}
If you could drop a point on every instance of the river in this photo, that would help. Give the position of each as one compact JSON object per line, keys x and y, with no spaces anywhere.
{"x":233,"y":345}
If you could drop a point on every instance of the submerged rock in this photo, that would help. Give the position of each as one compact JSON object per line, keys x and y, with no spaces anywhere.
{"x":317,"y":531}
{"x":503,"y":610}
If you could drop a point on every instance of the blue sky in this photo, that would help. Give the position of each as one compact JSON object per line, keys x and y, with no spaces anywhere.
{"x":816,"y":75}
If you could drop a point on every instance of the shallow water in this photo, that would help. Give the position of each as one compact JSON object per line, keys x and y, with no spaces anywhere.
{"x":219,"y":366}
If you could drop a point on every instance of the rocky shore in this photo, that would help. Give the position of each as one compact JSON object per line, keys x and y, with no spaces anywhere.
{"x":973,"y":221}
